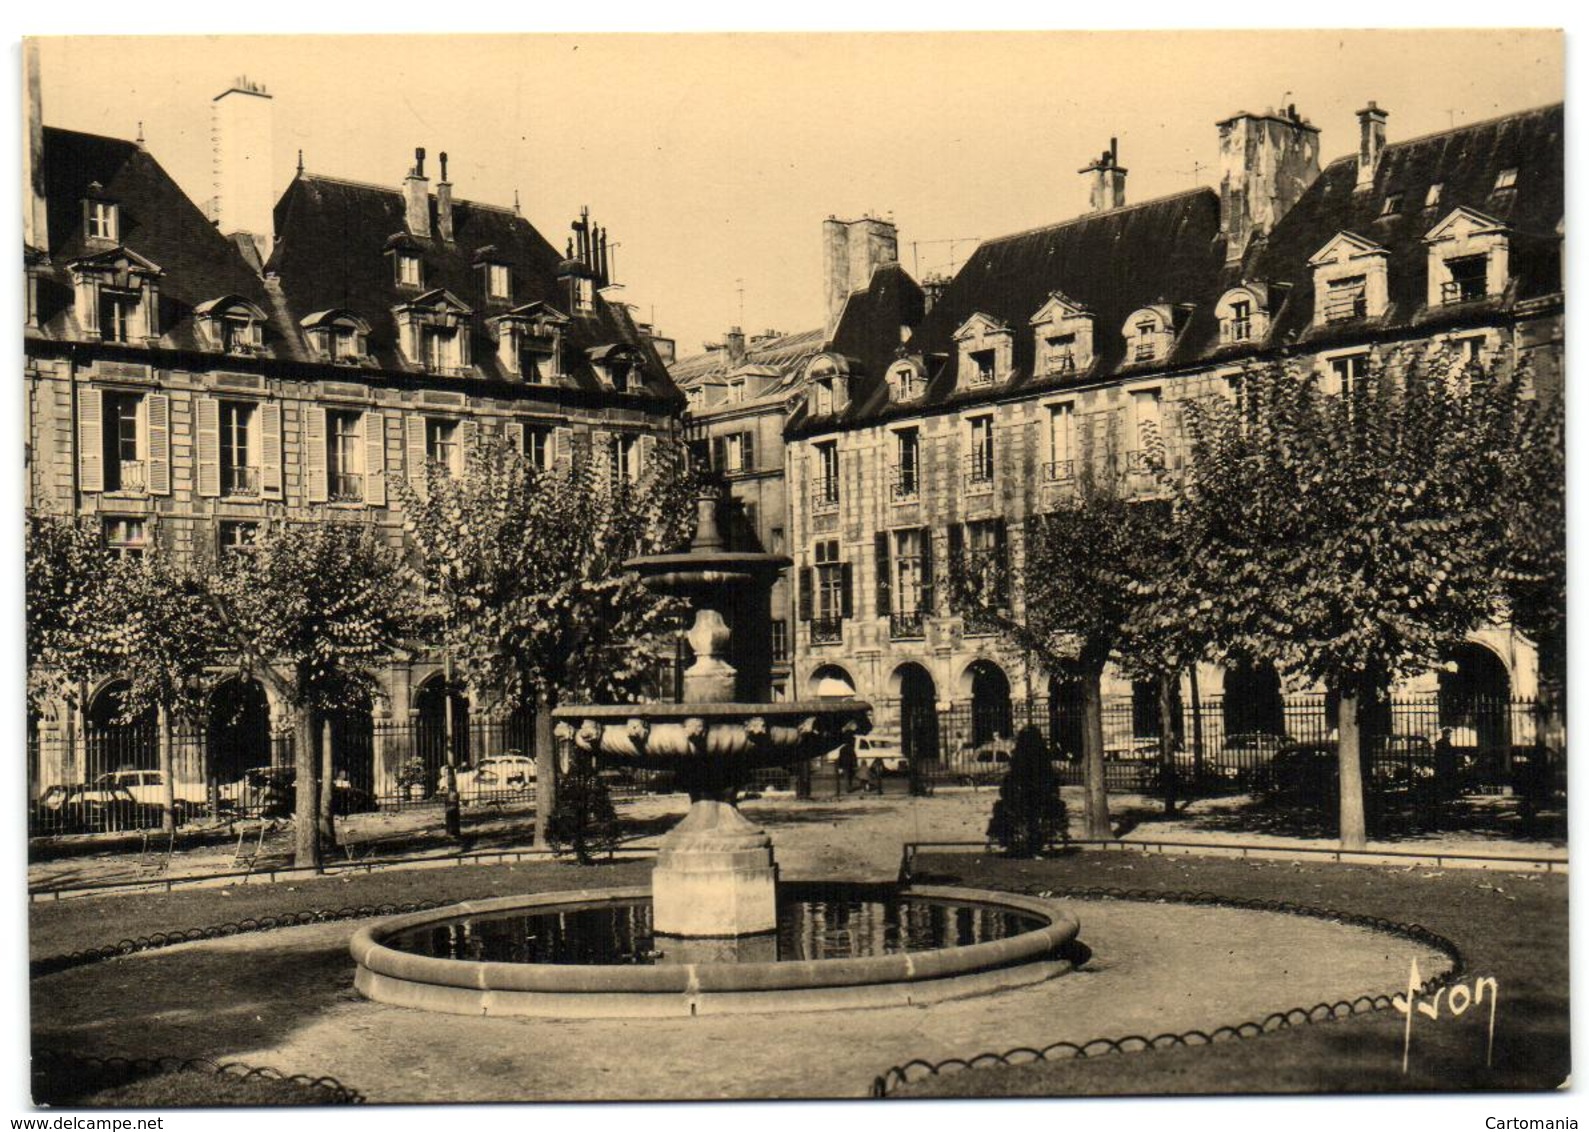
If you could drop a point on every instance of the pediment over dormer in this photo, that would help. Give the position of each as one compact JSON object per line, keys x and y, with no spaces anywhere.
{"x":538,"y":312}
{"x":439,"y":302}
{"x":119,"y":261}
{"x":1062,"y":343}
{"x":1344,"y":247}
{"x":980,"y":325}
{"x":1463,"y":223}
{"x":1059,"y":308}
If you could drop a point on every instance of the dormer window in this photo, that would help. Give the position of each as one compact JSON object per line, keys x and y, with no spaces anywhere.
{"x":530,"y":342}
{"x":117,"y":296}
{"x":499,"y":281}
{"x":1391,"y":205}
{"x":433,"y":332}
{"x":1351,"y":280}
{"x":1506,"y":179}
{"x":1243,"y":314}
{"x":410,"y":272}
{"x":905,"y":381}
{"x":1433,"y":197}
{"x":1063,"y":337}
{"x":1469,"y":258}
{"x":619,"y":366}
{"x":985,"y":352}
{"x":337,"y":336}
{"x":697,"y":396}
{"x":232,"y":324}
{"x":828,"y":379}
{"x":1149,"y":335}
{"x":117,"y":311}
{"x":103,"y":220}
{"x":736,"y":391}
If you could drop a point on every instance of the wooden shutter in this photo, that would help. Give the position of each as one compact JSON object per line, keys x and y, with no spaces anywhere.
{"x":927,"y":594}
{"x":208,"y":435}
{"x":375,"y":458}
{"x":719,"y":453}
{"x":847,"y":590}
{"x":885,"y":604}
{"x":513,"y":434}
{"x":270,"y":451}
{"x":957,"y":554}
{"x":805,"y":593}
{"x":747,"y":452}
{"x":468,"y":437}
{"x":91,"y":440}
{"x":314,"y":450}
{"x":157,"y":413}
{"x":563,"y":449}
{"x":648,"y":451}
{"x":416,"y":449}
{"x":1001,"y":562}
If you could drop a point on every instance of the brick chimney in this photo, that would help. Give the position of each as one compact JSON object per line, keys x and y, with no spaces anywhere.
{"x":1370,"y":143}
{"x":242,"y":148}
{"x":1108,"y":187}
{"x":1266,"y":161}
{"x":851,"y":251}
{"x":734,"y":343}
{"x":444,"y":203}
{"x":416,"y":197}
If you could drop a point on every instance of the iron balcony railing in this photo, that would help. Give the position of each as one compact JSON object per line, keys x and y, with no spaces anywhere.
{"x":240,"y":481}
{"x":980,"y":376}
{"x":907,"y":626}
{"x":1145,"y":352}
{"x":906,"y":483}
{"x":1346,"y":307}
{"x":1062,"y":364}
{"x":1238,"y":330}
{"x":980,"y":477}
{"x":827,"y":630}
{"x":132,"y":475}
{"x":1059,"y":470}
{"x":346,"y":487}
{"x":1461,"y":291}
{"x":825,"y":494}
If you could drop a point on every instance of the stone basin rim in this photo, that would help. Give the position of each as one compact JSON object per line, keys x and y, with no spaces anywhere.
{"x":711,"y":711}
{"x":373,"y":956}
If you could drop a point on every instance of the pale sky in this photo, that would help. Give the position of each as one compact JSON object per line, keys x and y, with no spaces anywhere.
{"x":714,"y":158}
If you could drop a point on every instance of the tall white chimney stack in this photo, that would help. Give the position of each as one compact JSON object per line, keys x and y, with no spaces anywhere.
{"x":35,"y":219}
{"x":244,"y":140}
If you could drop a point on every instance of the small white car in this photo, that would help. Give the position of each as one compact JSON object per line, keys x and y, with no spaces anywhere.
{"x":496,"y":773}
{"x":146,"y":787}
{"x":882,"y":750}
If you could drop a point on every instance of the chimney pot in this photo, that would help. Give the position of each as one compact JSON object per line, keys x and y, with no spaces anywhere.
{"x":1266,"y":163}
{"x":1108,"y":188}
{"x":1370,"y":143}
{"x":444,"y":165}
{"x":416,"y":198}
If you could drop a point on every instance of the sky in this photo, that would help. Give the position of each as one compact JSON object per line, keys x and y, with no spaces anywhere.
{"x":713,"y":159}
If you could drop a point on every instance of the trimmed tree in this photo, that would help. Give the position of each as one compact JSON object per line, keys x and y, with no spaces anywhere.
{"x":1349,"y":535}
{"x":583,"y":819}
{"x":66,"y":565}
{"x":521,"y":568}
{"x":313,"y":610}
{"x":1029,"y":815}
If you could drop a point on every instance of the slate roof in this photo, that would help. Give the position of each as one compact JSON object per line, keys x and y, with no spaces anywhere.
{"x":1169,"y":252}
{"x":788,"y":353}
{"x":157,"y":222}
{"x":332,"y":243}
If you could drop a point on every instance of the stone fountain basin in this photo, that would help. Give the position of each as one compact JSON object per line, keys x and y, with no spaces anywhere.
{"x":459,"y":986}
{"x":659,"y":736}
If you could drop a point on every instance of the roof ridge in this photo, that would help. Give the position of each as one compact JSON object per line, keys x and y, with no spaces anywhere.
{"x":373,"y":187}
{"x":1086,"y":216}
{"x":96,"y":137}
{"x":1482,"y":123}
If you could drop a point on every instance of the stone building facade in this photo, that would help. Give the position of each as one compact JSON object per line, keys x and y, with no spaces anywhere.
{"x":190,"y":379}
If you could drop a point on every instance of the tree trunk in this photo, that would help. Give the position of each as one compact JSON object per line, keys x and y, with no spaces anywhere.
{"x":1197,"y":728}
{"x":168,"y":778}
{"x":545,"y":768}
{"x":1094,"y":781}
{"x":326,"y":818}
{"x":306,"y":795}
{"x":1167,"y":771}
{"x":1354,"y":828}
{"x":452,"y":807}
{"x":1552,"y":699}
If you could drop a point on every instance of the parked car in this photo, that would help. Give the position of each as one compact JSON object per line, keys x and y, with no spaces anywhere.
{"x":270,"y":792}
{"x":882,"y":749}
{"x":148,"y":787}
{"x":1243,"y":754}
{"x":494,"y":775}
{"x":1401,"y":762}
{"x":92,"y":808}
{"x":1302,"y":774}
{"x":985,"y":763}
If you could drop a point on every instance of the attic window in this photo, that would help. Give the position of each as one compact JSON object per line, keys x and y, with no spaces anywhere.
{"x":1146,"y":348}
{"x":499,"y":281}
{"x":982,"y":362}
{"x":1392,"y":205}
{"x":1059,"y":355}
{"x":1469,"y":279}
{"x":103,"y":221}
{"x":1433,"y":198}
{"x":1506,"y":179}
{"x":337,"y":336}
{"x":736,"y":391}
{"x":409,"y":272}
{"x":232,"y":324}
{"x":1346,"y":299}
{"x":904,"y":381}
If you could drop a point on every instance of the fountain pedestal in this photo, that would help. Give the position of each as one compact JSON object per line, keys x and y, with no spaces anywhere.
{"x":714,"y":875}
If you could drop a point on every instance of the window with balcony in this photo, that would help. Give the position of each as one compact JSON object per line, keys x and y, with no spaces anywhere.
{"x":1346,"y":299}
{"x":825,"y":490}
{"x":980,"y":474}
{"x":907,"y":617}
{"x":831,"y":596}
{"x":344,"y":456}
{"x":907,"y":464}
{"x":239,"y":450}
{"x":1468,"y":279}
{"x":1059,"y":355}
{"x":984,"y":348}
{"x":1062,"y":337}
{"x":1469,"y":257}
{"x":125,"y":536}
{"x":1061,"y":465}
{"x":982,"y":367}
{"x":126,"y":443}
{"x":441,"y":445}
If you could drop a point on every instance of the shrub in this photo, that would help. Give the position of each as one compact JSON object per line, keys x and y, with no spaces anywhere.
{"x":1029,"y":814}
{"x":583,"y":820}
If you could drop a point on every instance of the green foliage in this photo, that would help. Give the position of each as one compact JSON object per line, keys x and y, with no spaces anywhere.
{"x":521,"y":569}
{"x":583,"y":820}
{"x":324,"y":602}
{"x":1029,"y":815}
{"x":65,"y":567}
{"x":1532,"y":558}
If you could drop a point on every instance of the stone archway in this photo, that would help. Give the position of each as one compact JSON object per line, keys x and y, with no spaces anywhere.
{"x":236,"y":730}
{"x":829,"y":672}
{"x":1253,"y":702}
{"x":918,"y":712}
{"x":1067,"y":724}
{"x":992,"y":716}
{"x":1475,"y":697}
{"x":112,"y":744}
{"x":430,"y":728}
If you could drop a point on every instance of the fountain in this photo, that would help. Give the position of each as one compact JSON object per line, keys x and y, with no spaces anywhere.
{"x":716,"y":931}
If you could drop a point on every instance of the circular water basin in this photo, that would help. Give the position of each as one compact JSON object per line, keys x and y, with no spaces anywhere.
{"x":594,"y":954}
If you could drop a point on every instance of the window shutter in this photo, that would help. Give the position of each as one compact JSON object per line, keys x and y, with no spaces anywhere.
{"x":1001,"y":562}
{"x":957,"y":553}
{"x":847,"y":588}
{"x":747,"y":453}
{"x":513,"y":434}
{"x":209,"y":446}
{"x":270,"y":451}
{"x":563,"y":449}
{"x":648,"y":452}
{"x":375,"y":458}
{"x":468,"y":437}
{"x":157,"y":407}
{"x":927,"y":593}
{"x":719,"y":453}
{"x":885,"y":604}
{"x":805,"y":593}
{"x":314,"y":449}
{"x":416,"y":449}
{"x":90,"y":440}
